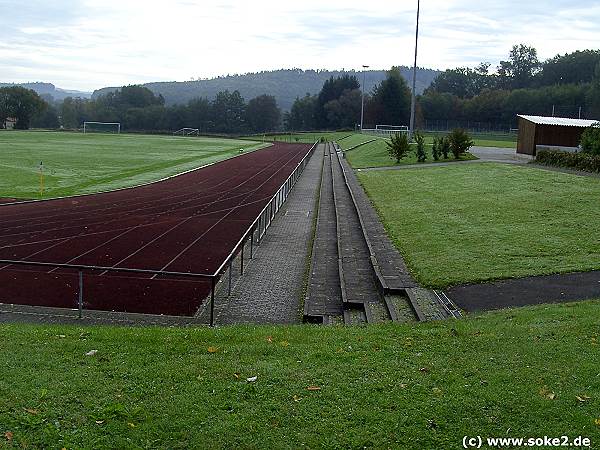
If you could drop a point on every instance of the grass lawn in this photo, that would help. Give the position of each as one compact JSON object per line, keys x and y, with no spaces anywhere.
{"x":508,"y":373}
{"x":307,"y":138}
{"x":484,"y":139}
{"x":375,"y":154}
{"x":77,"y":163}
{"x":476,"y":222}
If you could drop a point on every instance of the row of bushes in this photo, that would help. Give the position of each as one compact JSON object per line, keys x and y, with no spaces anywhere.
{"x":588,"y":162}
{"x":458,"y":142}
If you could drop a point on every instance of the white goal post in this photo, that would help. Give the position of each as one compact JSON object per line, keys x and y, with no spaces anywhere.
{"x":91,"y":127}
{"x":187,"y":132}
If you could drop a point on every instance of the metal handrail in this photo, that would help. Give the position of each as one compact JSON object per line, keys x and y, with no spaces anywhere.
{"x":279,"y":198}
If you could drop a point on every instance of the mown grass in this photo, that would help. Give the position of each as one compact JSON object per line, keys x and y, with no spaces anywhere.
{"x":508,"y":373}
{"x":476,"y":222}
{"x":306,"y":138}
{"x":375,"y":154}
{"x":86,"y":163}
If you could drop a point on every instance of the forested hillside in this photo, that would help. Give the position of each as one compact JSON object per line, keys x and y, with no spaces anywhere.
{"x":284,"y":85}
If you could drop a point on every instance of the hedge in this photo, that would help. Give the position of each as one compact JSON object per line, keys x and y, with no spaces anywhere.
{"x":579,"y":161}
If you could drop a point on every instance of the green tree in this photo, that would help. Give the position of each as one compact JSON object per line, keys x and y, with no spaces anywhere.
{"x":332,"y":90}
{"x":229,"y":112}
{"x":436,"y":149}
{"x":398,"y":147}
{"x":420,"y":152}
{"x":390,"y":102}
{"x":344,"y":112}
{"x":302,"y":116}
{"x":20,"y":103}
{"x":262,"y":114}
{"x":593,"y":96}
{"x":590,"y":140}
{"x":460,"y":142}
{"x":576,"y":68}
{"x":522,"y":65}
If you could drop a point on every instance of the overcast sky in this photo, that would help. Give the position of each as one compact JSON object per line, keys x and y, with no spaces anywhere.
{"x":88,"y":44}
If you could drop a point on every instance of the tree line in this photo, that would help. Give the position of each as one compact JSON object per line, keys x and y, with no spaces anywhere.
{"x":138,"y":109}
{"x":339,"y":104}
{"x":520,"y":85}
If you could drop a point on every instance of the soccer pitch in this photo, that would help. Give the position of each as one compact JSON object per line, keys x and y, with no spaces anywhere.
{"x":76,"y":163}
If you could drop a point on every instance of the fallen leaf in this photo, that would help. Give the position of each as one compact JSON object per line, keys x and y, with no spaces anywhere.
{"x":296,"y":398}
{"x":237,"y":375}
{"x":8,"y":435}
{"x":313,"y":388}
{"x":131,"y":424}
{"x":437,"y":391}
{"x":251,"y":379}
{"x":582,"y":398}
{"x":91,"y":353}
{"x":269,"y":339}
{"x":545,"y":392}
{"x":99,"y":422}
{"x":213,"y":349}
{"x":62,"y":336}
{"x":31,"y":411}
{"x":597,"y":422}
{"x":402,"y":385}
{"x":284,"y":343}
{"x":424,"y":369}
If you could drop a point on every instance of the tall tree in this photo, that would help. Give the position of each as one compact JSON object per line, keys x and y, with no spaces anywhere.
{"x":333,"y":89}
{"x":593,"y":97}
{"x":262,"y":114}
{"x":390,"y":102}
{"x":20,"y":103}
{"x":229,"y":112}
{"x":302,"y":116}
{"x":522,"y":65}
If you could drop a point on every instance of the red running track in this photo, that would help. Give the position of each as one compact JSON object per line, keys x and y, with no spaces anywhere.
{"x":189,"y":223}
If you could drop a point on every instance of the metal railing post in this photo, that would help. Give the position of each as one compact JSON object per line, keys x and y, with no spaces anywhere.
{"x":242,"y":261}
{"x":252,"y":244}
{"x":80,"y":294}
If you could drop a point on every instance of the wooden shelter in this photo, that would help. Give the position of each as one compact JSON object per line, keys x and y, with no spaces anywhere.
{"x":549,"y":132}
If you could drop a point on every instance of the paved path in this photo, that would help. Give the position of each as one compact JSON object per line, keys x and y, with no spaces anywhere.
{"x":527,"y":291}
{"x":272,"y":284}
{"x":324,"y":294}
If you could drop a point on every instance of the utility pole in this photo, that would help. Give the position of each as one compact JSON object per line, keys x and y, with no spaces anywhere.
{"x":362,"y":106}
{"x":413,"y":101}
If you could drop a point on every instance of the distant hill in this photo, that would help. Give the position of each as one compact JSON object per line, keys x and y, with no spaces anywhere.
{"x":48,"y":89}
{"x":285,"y":84}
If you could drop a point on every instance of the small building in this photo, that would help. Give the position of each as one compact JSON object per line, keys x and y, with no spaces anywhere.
{"x":9,"y":123}
{"x":557,"y":133}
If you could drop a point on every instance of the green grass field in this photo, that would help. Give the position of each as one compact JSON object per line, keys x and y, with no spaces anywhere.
{"x":476,"y":222}
{"x":527,"y":372}
{"x":85,"y":163}
{"x":306,"y":138}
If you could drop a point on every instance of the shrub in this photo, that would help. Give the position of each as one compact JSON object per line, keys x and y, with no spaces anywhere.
{"x":436,"y":150}
{"x":460,"y":142}
{"x":399,"y":146}
{"x":445,"y":146}
{"x":590,"y":140}
{"x":420,"y":140}
{"x":580,"y":161}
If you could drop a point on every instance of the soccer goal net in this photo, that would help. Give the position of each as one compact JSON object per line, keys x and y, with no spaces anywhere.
{"x":386,"y":130}
{"x":102,"y":127}
{"x":187,"y":132}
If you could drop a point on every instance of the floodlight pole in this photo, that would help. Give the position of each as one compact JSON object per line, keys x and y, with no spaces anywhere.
{"x":362,"y":104}
{"x":413,"y":101}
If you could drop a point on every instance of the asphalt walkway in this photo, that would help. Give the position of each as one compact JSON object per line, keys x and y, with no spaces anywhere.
{"x":270,"y":289}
